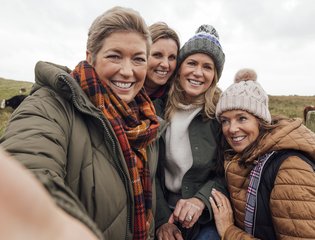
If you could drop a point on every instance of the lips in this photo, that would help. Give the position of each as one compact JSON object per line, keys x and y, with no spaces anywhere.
{"x":123,"y":85}
{"x":238,"y":139}
{"x":161,"y":73}
{"x":194,"y":82}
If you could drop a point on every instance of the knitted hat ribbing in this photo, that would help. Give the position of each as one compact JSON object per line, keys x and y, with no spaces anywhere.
{"x":206,"y":40}
{"x":245,"y":94}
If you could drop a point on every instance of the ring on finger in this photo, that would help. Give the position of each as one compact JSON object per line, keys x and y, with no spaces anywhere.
{"x":188,"y":218}
{"x":220,"y":205}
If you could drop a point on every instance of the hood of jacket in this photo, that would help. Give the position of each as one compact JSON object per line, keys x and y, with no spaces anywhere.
{"x":58,"y":78}
{"x":291,"y":134}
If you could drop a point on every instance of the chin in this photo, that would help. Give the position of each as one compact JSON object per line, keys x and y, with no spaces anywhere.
{"x":126,"y":98}
{"x":238,"y":149}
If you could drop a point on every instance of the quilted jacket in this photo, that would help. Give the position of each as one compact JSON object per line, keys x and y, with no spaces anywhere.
{"x":71,"y":147}
{"x":292,"y":200}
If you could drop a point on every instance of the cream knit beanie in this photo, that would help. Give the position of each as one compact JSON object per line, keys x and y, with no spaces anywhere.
{"x":245,"y":94}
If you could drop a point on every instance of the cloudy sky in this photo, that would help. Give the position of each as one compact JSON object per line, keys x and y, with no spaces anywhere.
{"x":274,"y":37}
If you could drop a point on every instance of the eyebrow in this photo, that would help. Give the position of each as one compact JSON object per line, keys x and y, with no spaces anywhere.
{"x":140,"y":53}
{"x":156,"y":51}
{"x":236,"y":115}
{"x":209,"y":63}
{"x":117,"y":50}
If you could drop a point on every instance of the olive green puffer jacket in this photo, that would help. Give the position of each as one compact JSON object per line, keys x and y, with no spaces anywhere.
{"x":71,"y":147}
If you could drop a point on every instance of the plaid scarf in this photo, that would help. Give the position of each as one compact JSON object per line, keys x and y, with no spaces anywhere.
{"x":135,"y":125}
{"x":251,"y":201}
{"x":161,"y":92}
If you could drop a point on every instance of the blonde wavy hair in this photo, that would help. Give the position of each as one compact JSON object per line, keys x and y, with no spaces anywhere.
{"x":208,"y":100}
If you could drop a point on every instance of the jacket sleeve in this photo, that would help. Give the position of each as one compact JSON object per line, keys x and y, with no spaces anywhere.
{"x":292,"y":200}
{"x":37,"y":136}
{"x":163,"y":212}
{"x":217,"y":182}
{"x":236,"y":233}
{"x":205,"y":192}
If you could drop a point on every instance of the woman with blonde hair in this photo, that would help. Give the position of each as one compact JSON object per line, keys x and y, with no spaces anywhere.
{"x":88,"y":134}
{"x":187,"y":161}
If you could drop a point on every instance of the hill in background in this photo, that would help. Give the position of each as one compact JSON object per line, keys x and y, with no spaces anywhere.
{"x":9,"y":88}
{"x":290,"y":106}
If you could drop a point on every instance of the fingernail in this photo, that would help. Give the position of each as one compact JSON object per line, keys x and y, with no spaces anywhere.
{"x":213,"y":189}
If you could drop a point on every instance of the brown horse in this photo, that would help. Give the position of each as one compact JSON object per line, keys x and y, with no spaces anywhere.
{"x":306,"y":110}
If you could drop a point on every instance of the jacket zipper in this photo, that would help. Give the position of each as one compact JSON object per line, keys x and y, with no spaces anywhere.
{"x":122,"y":173}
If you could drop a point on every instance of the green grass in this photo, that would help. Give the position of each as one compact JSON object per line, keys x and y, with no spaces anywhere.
{"x":290,"y":106}
{"x":9,"y":88}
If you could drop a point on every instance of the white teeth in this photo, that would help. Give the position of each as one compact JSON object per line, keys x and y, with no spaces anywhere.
{"x":195,"y":82}
{"x":122,"y":85}
{"x":161,"y":72}
{"x":237,"y":139}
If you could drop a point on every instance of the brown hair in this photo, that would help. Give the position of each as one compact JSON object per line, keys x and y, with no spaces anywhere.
{"x":264,"y":129}
{"x":160,"y":30}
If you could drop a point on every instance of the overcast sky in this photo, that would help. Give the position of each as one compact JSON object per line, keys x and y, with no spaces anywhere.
{"x":274,"y":37}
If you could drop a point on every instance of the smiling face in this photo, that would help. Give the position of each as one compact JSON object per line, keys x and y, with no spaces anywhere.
{"x":161,"y":63}
{"x":196,"y":75}
{"x":122,"y":63}
{"x":239,"y":128}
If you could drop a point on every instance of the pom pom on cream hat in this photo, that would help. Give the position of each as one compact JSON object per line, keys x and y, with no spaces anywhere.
{"x":245,"y":94}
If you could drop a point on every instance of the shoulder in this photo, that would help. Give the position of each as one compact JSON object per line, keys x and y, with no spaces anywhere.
{"x":159,"y":105}
{"x":57,"y":78}
{"x":292,"y":200}
{"x":214,"y":126}
{"x":48,"y":99}
{"x":288,"y":167}
{"x":295,"y":180}
{"x":296,"y":170}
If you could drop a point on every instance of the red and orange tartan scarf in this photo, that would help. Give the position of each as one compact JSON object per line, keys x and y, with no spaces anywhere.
{"x":135,"y":125}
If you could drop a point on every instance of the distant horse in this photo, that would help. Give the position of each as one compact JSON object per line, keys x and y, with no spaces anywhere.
{"x":13,"y":102}
{"x":306,"y":110}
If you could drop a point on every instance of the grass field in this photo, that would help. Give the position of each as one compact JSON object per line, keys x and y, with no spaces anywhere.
{"x":290,"y":106}
{"x":9,"y":88}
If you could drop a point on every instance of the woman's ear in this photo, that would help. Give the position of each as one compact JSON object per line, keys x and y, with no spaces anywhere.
{"x":89,"y":57}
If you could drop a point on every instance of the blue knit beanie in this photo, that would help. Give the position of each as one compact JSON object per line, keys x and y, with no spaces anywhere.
{"x":206,"y":40}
